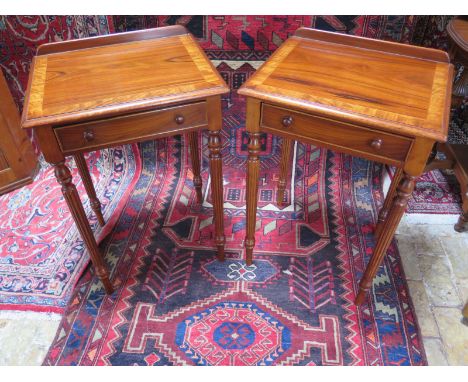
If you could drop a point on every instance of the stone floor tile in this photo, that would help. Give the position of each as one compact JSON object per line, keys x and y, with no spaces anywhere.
{"x":428,"y":244}
{"x":439,"y":230}
{"x":462,"y":285}
{"x":424,"y":315}
{"x":25,"y":341}
{"x":407,"y":249}
{"x":457,"y":250}
{"x":434,"y":353}
{"x":454,"y":335}
{"x":438,"y":280}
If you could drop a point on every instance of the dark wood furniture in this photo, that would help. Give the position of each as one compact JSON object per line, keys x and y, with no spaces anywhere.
{"x":458,"y":33}
{"x":457,"y":154}
{"x":98,"y":92}
{"x":380,"y":100}
{"x":18,"y":163}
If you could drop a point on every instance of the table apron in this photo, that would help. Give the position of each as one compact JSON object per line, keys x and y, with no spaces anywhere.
{"x":139,"y":127}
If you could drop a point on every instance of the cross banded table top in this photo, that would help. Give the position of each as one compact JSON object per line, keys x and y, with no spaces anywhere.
{"x":401,"y":88}
{"x":117,"y":74}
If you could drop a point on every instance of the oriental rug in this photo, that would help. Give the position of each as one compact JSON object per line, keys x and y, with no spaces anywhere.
{"x":41,"y":252}
{"x":176,"y":304}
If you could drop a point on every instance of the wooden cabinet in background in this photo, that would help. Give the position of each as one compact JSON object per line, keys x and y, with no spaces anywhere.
{"x":18,"y":162}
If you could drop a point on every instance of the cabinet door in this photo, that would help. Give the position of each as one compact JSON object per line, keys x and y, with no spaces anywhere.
{"x":17,"y":160}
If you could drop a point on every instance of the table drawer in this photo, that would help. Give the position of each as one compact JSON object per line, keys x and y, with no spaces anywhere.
{"x":344,"y":137}
{"x":132,"y":128}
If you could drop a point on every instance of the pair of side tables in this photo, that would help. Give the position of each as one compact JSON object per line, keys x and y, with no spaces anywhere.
{"x":379,"y":100}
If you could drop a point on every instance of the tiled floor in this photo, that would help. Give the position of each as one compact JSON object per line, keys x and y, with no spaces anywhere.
{"x":435,"y":261}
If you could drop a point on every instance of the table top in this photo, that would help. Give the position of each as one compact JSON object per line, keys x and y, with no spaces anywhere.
{"x":117,"y":74}
{"x":401,"y":88}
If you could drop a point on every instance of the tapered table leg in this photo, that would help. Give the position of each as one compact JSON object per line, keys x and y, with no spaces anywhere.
{"x":88,"y":183}
{"x":253,"y":167}
{"x":403,"y":192}
{"x":214,"y":145}
{"x":388,"y":202}
{"x":63,"y":175}
{"x":195,"y":157}
{"x":284,"y":169}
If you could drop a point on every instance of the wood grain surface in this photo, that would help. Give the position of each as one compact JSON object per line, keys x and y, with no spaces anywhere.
{"x":391,"y":86}
{"x":118,"y":78}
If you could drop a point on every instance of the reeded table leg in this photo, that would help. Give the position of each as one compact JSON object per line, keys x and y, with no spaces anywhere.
{"x":404,"y":190}
{"x":253,"y":168}
{"x":388,"y":202}
{"x":284,"y":167}
{"x":63,"y":175}
{"x":88,"y":183}
{"x":195,"y":157}
{"x":214,"y":145}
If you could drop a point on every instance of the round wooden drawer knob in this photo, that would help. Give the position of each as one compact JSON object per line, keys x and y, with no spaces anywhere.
{"x":88,"y":136}
{"x":377,"y":144}
{"x":179,"y":119}
{"x":287,"y":121}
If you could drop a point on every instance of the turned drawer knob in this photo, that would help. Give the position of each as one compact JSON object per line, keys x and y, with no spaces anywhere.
{"x":88,"y":136}
{"x":287,"y":121}
{"x":179,"y":119}
{"x":377,"y":144}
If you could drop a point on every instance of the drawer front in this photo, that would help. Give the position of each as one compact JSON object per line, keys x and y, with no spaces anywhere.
{"x":360,"y":141}
{"x":133,"y":128}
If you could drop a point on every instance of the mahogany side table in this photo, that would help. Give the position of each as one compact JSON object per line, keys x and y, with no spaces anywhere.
{"x":379,"y":100}
{"x":98,"y":92}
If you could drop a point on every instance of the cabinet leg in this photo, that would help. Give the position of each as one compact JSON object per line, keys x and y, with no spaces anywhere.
{"x":388,"y":202}
{"x":195,"y":156}
{"x":93,"y":199}
{"x":465,"y":314}
{"x":462,"y":224}
{"x":63,"y":175}
{"x":284,"y":167}
{"x":403,"y":192}
{"x":214,"y":144}
{"x":253,"y":167}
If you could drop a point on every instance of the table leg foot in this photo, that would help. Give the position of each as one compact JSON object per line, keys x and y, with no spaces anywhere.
{"x":361,"y":296}
{"x":220,"y":251}
{"x":465,"y":314}
{"x":214,"y":145}
{"x":284,"y":167}
{"x":195,"y":156}
{"x":397,"y":209}
{"x":88,"y":183}
{"x":249,"y":246}
{"x":63,"y":175}
{"x":462,"y":224}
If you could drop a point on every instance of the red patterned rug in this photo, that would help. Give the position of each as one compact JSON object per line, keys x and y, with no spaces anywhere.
{"x":41,"y":253}
{"x":436,"y":198}
{"x":177,"y":305}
